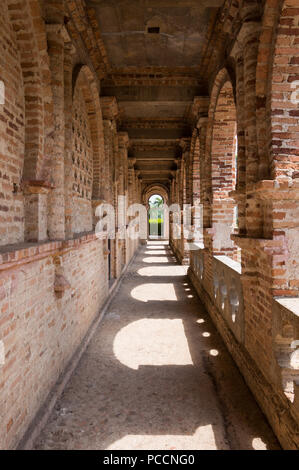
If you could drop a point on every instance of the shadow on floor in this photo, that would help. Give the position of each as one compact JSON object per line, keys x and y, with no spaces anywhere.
{"x":156,"y":375}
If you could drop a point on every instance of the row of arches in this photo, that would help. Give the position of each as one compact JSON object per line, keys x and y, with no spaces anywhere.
{"x":250,"y":132}
{"x":52,"y":157}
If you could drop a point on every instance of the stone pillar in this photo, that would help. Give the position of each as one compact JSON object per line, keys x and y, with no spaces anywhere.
{"x":94,"y":204}
{"x":184,"y":253}
{"x":239,"y":195}
{"x":55,"y":37}
{"x":136,"y":201}
{"x":205,"y":174}
{"x":123,"y":143}
{"x":36,"y":210}
{"x":107,"y":166}
{"x":140,"y":201}
{"x":249,"y":35}
{"x":174,"y":242}
{"x":68,"y":164}
{"x":131,"y":192}
{"x":110,"y":114}
{"x":131,"y":180}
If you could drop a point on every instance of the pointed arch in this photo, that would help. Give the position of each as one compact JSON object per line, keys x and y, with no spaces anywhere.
{"x":27,"y":22}
{"x":221,"y":151}
{"x":85,"y":165}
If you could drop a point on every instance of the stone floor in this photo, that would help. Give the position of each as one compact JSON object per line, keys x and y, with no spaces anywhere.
{"x":156,"y":374}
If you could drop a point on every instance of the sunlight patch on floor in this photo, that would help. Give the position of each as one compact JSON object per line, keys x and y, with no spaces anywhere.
{"x":203,"y":439}
{"x":152,"y":342}
{"x":156,"y":259}
{"x":163,"y":271}
{"x":156,"y":252}
{"x":156,"y":248}
{"x":154,"y":292}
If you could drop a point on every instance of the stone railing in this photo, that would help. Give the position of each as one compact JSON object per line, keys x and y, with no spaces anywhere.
{"x":286,"y":346}
{"x":227,"y":288}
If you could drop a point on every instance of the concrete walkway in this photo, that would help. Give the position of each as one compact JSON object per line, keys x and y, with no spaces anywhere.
{"x":156,"y":375}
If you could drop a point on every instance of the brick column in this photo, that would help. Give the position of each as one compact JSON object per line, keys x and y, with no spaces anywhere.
{"x":36,"y":210}
{"x":123,"y":143}
{"x":107,"y":166}
{"x":68,"y":167}
{"x":131,"y":179}
{"x":206,"y":200}
{"x":239,"y":195}
{"x":185,"y":145}
{"x":131,"y":200}
{"x":177,"y":199}
{"x":249,"y":35}
{"x":55,"y":37}
{"x":110,"y":113}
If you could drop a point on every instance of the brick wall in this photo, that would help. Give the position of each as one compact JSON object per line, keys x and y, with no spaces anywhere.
{"x":222,"y":113}
{"x":285,"y":90}
{"x":58,"y":161}
{"x":12,"y":136}
{"x":82,"y":163}
{"x":42,"y":328}
{"x":255,"y":98}
{"x":61,"y":155}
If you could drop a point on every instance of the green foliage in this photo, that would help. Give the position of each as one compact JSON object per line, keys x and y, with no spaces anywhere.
{"x":156,"y":221}
{"x":158,"y":202}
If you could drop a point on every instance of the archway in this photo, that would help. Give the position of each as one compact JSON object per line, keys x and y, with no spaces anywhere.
{"x":161,"y":191}
{"x":156,"y":219}
{"x":223,"y":147}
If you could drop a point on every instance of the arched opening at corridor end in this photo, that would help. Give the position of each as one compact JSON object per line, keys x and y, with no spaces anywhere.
{"x":155,"y":198}
{"x":156,"y":216}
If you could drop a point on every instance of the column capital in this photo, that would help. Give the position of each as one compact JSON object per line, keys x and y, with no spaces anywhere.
{"x":248,"y":30}
{"x":36,"y":187}
{"x":58,"y":29}
{"x":123,"y":139}
{"x":131,"y":163}
{"x":109,"y":107}
{"x":69,"y":47}
{"x":237,"y":50}
{"x":199,"y":108}
{"x":185,"y":143}
{"x":178,"y":162}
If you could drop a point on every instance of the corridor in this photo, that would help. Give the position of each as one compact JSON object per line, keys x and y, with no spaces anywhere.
{"x":156,"y":374}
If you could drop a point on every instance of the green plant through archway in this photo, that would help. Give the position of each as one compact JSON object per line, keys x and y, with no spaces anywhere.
{"x":156,"y":215}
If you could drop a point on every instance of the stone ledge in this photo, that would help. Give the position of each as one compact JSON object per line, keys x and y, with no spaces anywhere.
{"x":12,"y":256}
{"x":230,"y":263}
{"x":275,"y":405}
{"x":41,"y":417}
{"x":275,"y":189}
{"x":250,"y":242}
{"x":195,"y":246}
{"x":269,"y":189}
{"x":289,"y":303}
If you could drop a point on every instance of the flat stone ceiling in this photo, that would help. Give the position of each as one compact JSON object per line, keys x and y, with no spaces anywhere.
{"x":154,"y":76}
{"x":124,"y":28}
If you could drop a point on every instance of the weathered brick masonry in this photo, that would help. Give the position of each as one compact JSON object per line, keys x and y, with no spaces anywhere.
{"x":49,"y":296}
{"x":58,"y":161}
{"x":260,"y":76}
{"x":78,"y":129}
